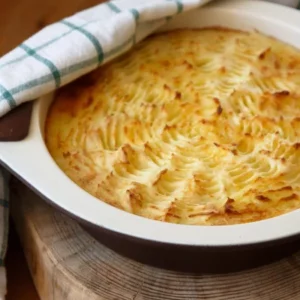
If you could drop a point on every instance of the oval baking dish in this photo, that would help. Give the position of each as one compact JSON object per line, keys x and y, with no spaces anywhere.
{"x":197,"y":247}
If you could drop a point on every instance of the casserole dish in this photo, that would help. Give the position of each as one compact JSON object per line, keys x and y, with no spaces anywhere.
{"x":205,"y":248}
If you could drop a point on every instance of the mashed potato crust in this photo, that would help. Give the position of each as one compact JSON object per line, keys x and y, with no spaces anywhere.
{"x":191,"y":126}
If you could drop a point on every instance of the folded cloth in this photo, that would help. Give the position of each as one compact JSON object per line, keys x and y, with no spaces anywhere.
{"x":78,"y":44}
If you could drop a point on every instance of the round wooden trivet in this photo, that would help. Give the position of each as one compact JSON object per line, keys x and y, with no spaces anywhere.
{"x":67,"y":263}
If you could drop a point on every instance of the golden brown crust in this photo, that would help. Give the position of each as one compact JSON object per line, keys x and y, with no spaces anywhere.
{"x":191,"y":126}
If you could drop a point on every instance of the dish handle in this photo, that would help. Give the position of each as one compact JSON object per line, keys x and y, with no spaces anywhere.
{"x":14,"y":126}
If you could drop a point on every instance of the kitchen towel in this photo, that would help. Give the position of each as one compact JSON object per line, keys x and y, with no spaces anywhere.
{"x":66,"y":50}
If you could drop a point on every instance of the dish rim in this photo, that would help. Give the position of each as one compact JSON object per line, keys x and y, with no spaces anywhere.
{"x":21,"y":157}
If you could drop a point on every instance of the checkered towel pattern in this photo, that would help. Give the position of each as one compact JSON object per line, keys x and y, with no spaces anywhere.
{"x":68,"y":49}
{"x":78,"y":44}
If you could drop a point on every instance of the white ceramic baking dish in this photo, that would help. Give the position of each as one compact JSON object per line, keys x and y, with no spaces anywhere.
{"x":30,"y":159}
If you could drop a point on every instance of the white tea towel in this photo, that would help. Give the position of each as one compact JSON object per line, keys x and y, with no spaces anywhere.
{"x":78,"y":44}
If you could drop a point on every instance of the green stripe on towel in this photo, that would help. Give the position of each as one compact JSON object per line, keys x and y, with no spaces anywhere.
{"x":8,"y":96}
{"x":135,"y":13}
{"x":179,"y":5}
{"x":64,"y":72}
{"x":50,"y":42}
{"x":45,"y":61}
{"x":93,"y":39}
{"x":113,"y":7}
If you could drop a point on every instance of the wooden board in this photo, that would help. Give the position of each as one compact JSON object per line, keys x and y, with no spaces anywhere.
{"x":68,"y":264}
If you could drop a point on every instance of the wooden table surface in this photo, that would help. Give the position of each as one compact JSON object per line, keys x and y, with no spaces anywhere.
{"x":19,"y":19}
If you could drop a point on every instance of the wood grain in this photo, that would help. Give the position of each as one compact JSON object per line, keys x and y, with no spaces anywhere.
{"x":68,"y":264}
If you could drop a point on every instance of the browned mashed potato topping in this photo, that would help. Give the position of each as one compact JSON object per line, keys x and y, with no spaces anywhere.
{"x":191,"y":126}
